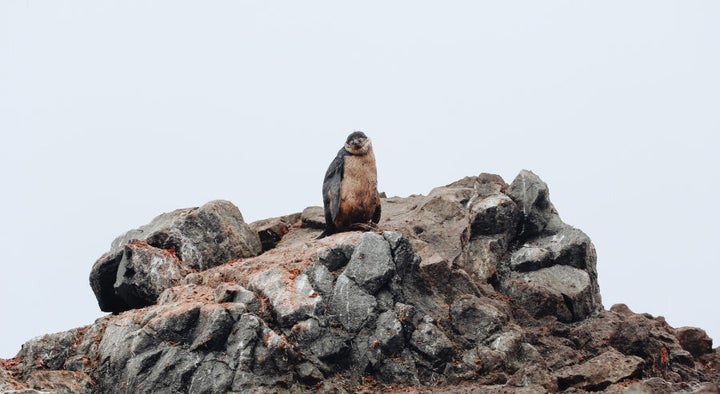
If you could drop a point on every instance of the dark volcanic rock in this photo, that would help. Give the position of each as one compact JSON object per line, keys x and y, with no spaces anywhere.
{"x":478,"y":287}
{"x":533,"y":199}
{"x":476,"y":319}
{"x":694,"y":340}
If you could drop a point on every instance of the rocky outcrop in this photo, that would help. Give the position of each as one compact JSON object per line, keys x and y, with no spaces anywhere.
{"x":477,"y":287}
{"x":143,"y":262}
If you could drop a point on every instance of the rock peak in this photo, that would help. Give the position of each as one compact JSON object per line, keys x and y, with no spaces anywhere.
{"x":477,"y":287}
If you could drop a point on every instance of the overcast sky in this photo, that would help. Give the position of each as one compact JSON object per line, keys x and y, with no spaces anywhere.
{"x":112,"y":112}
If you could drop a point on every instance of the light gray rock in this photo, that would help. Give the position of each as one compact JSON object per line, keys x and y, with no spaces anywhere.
{"x":431,"y":341}
{"x":569,"y":246}
{"x":449,"y":294}
{"x":561,"y":291}
{"x":200,"y":238}
{"x":371,"y":264}
{"x":59,"y":382}
{"x":213,"y":375}
{"x":292,"y":299}
{"x":49,"y":351}
{"x":483,"y":256}
{"x":389,"y":333}
{"x":351,"y":305}
{"x":145,"y":272}
{"x":532,"y":197}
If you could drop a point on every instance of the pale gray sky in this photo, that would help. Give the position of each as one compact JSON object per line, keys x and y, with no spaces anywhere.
{"x":112,"y":112}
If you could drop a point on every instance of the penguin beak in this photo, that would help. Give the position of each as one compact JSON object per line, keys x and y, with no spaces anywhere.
{"x":358,"y":142}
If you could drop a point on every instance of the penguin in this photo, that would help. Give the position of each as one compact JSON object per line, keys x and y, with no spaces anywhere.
{"x":350,"y":194}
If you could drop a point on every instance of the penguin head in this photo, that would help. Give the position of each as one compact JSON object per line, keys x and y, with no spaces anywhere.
{"x":358,"y":143}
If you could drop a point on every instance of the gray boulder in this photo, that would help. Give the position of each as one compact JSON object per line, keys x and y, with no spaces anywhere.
{"x":351,"y":305}
{"x":292,"y":297}
{"x":371,"y":264}
{"x":145,"y":272}
{"x":569,"y":246}
{"x":432,"y":341}
{"x":533,"y":200}
{"x":199,"y":238}
{"x":561,"y":291}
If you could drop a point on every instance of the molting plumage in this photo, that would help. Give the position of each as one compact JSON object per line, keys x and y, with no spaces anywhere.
{"x":350,"y":191}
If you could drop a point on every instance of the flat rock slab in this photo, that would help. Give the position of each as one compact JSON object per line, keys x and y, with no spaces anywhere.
{"x":569,"y":246}
{"x":600,"y":372}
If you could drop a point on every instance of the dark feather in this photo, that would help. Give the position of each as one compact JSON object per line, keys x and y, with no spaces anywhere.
{"x":331,"y":190}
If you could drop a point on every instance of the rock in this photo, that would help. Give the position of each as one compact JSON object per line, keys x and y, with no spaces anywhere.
{"x":200,"y":238}
{"x":478,"y":287}
{"x":371,"y":264}
{"x":291,"y":297}
{"x":560,"y":291}
{"x":484,"y":254}
{"x":213,"y":375}
{"x":351,"y":305}
{"x":652,"y":386}
{"x":271,"y":231}
{"x":213,"y":327}
{"x":569,"y":246}
{"x":309,"y":373}
{"x":534,"y":374}
{"x":49,"y":351}
{"x":486,"y":185}
{"x":321,"y":279}
{"x":531,"y":195}
{"x":494,"y":214}
{"x":554,"y":275}
{"x":475,"y":318}
{"x":444,"y":222}
{"x":432,"y":342}
{"x":187,"y":293}
{"x":172,"y":324}
{"x":144,"y":272}
{"x":389,"y":333}
{"x":313,"y":217}
{"x":694,"y":340}
{"x":60,"y":381}
{"x":336,"y":257}
{"x":400,"y":370}
{"x":599,"y":372}
{"x":456,"y":281}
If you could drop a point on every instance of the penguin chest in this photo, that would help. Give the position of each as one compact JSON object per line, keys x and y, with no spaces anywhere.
{"x":358,"y":190}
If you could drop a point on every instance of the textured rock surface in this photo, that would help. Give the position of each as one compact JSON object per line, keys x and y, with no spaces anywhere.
{"x":145,"y":261}
{"x":478,"y":287}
